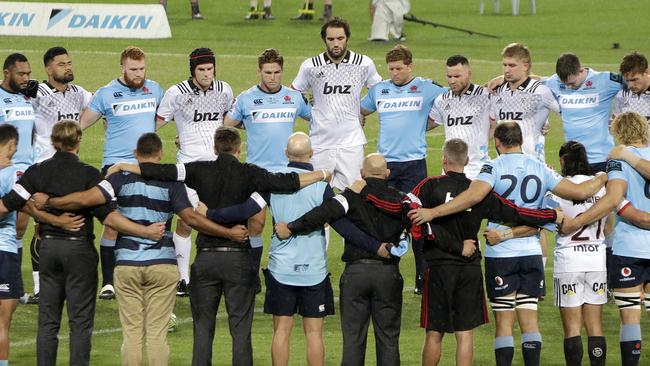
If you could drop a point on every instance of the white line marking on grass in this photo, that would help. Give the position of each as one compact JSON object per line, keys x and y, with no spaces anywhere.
{"x":184,"y":55}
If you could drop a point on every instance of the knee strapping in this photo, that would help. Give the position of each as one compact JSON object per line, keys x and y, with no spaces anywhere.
{"x":503,"y":303}
{"x":627,"y":300}
{"x":526,"y":302}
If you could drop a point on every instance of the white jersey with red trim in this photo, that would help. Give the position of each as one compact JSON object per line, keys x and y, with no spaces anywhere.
{"x":336,"y":90}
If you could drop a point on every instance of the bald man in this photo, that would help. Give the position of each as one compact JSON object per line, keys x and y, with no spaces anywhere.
{"x":371,"y":284}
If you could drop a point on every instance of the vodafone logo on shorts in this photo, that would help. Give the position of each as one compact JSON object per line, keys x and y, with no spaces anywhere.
{"x":626,"y":271}
{"x":498,"y":280}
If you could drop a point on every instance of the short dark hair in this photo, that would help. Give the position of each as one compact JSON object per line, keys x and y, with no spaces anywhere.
{"x":633,"y":63}
{"x":457,"y":59}
{"x":575,"y":159}
{"x":51,"y":53}
{"x":149,"y":144}
{"x":7,"y":133}
{"x":567,"y":64}
{"x":335,"y":22}
{"x":509,"y":133}
{"x":226,"y":140}
{"x":400,"y":53}
{"x":270,"y":56}
{"x":11,"y":60}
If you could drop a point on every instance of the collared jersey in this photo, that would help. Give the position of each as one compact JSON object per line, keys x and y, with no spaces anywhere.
{"x":269,"y":119}
{"x":584,"y":249}
{"x":586,"y":111}
{"x":529,"y":106}
{"x":336,"y":90}
{"x":18,"y":111}
{"x":627,"y":101}
{"x":523,"y":180}
{"x":403,"y":112}
{"x":629,"y":240}
{"x":467,"y":117}
{"x":197,"y":115}
{"x":129,"y":114}
{"x":51,"y":106}
{"x":8,"y":241}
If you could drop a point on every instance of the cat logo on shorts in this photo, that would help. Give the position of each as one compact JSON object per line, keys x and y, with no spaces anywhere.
{"x":626,"y":271}
{"x":498,"y":280}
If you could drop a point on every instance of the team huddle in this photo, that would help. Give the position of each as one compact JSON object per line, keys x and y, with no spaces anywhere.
{"x":381,"y":204}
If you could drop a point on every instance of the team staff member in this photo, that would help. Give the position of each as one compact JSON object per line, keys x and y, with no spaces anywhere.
{"x":223,"y":266}
{"x":197,"y":106}
{"x":68,"y":259}
{"x":129,"y":105}
{"x":371,"y":285}
{"x":56,"y":99}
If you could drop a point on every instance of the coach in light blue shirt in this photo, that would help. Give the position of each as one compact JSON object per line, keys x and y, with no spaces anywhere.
{"x":403,"y":103}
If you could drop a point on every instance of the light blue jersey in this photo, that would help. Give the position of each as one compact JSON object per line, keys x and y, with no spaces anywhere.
{"x":629,"y":240}
{"x":17,"y":111}
{"x":8,"y":241}
{"x":269,"y":119}
{"x":403,"y":113}
{"x":129,"y":114}
{"x":586,"y":111}
{"x":300,"y":260}
{"x":524,"y":180}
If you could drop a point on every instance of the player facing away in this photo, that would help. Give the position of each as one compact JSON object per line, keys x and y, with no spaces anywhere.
{"x":631,"y":254}
{"x":128,"y":104}
{"x":585,"y":97}
{"x":336,"y":78}
{"x":464,"y":112}
{"x":56,"y":99}
{"x":635,"y":97}
{"x":514,"y":271}
{"x":197,"y":106}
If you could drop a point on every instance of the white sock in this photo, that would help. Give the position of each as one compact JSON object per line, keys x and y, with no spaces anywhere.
{"x":37,"y":285}
{"x":183,"y":247}
{"x":327,"y":237}
{"x":544,"y":262}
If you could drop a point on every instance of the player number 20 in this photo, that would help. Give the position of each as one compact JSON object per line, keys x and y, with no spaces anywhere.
{"x":523,"y":190}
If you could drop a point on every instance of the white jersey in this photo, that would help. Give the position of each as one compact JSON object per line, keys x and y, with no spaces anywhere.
{"x":51,"y":106}
{"x":197,"y":115}
{"x":627,"y":101}
{"x":466,"y":117}
{"x":336,"y":90}
{"x":529,"y":106}
{"x":583,"y":250}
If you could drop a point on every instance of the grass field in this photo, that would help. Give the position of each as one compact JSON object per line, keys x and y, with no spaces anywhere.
{"x":586,"y":27}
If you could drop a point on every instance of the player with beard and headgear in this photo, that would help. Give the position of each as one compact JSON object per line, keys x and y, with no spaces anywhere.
{"x":128,"y":104}
{"x":56,"y":99}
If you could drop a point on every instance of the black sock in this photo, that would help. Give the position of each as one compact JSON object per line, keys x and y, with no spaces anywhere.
{"x":504,"y":356}
{"x":597,"y":351}
{"x":532,"y":352}
{"x":107,"y":256}
{"x":35,"y":249}
{"x":573,"y":351}
{"x":310,"y":6}
{"x":630,"y":352}
{"x":195,"y":8}
{"x":20,"y":273}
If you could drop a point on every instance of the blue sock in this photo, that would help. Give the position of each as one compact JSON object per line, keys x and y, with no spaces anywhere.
{"x":531,"y":348}
{"x":504,"y":350}
{"x":630,"y":341}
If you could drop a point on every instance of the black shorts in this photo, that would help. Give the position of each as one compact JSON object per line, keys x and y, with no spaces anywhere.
{"x":523,"y":275}
{"x":405,"y":175}
{"x":315,"y":301}
{"x":453,"y":298}
{"x":609,"y":265}
{"x":629,"y":271}
{"x":10,"y":285}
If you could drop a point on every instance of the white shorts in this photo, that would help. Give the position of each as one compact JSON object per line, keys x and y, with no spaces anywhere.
{"x":343,"y":162}
{"x":574,"y":289}
{"x":193,"y":197}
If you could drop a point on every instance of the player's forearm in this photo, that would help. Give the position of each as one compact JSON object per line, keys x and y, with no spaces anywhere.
{"x":600,"y":209}
{"x":202,"y":223}
{"x":317,"y":217}
{"x":636,"y":217}
{"x":77,"y":200}
{"x":312,"y":177}
{"x":39,"y":215}
{"x":124,"y":225}
{"x":464,"y":201}
{"x":227,"y":121}
{"x":580,"y":192}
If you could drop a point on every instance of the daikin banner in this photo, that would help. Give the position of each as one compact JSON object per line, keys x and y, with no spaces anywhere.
{"x":83,"y":20}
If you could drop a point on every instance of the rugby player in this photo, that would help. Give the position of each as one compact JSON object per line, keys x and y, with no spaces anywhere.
{"x":635,"y":97}
{"x":514,"y":270}
{"x":335,"y":78}
{"x":128,"y":105}
{"x":56,"y":99}
{"x":197,"y":106}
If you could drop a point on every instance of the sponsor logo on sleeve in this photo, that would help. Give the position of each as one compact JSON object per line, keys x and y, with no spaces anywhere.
{"x":614,"y":166}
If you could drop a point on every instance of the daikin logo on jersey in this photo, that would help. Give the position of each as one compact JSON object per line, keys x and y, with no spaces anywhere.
{"x":134,"y":107}
{"x":578,"y":101}
{"x":280,"y":115}
{"x":19,"y":114}
{"x":399,"y":104}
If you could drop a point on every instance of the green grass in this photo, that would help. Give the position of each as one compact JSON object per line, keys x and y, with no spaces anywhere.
{"x":586,"y":27}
